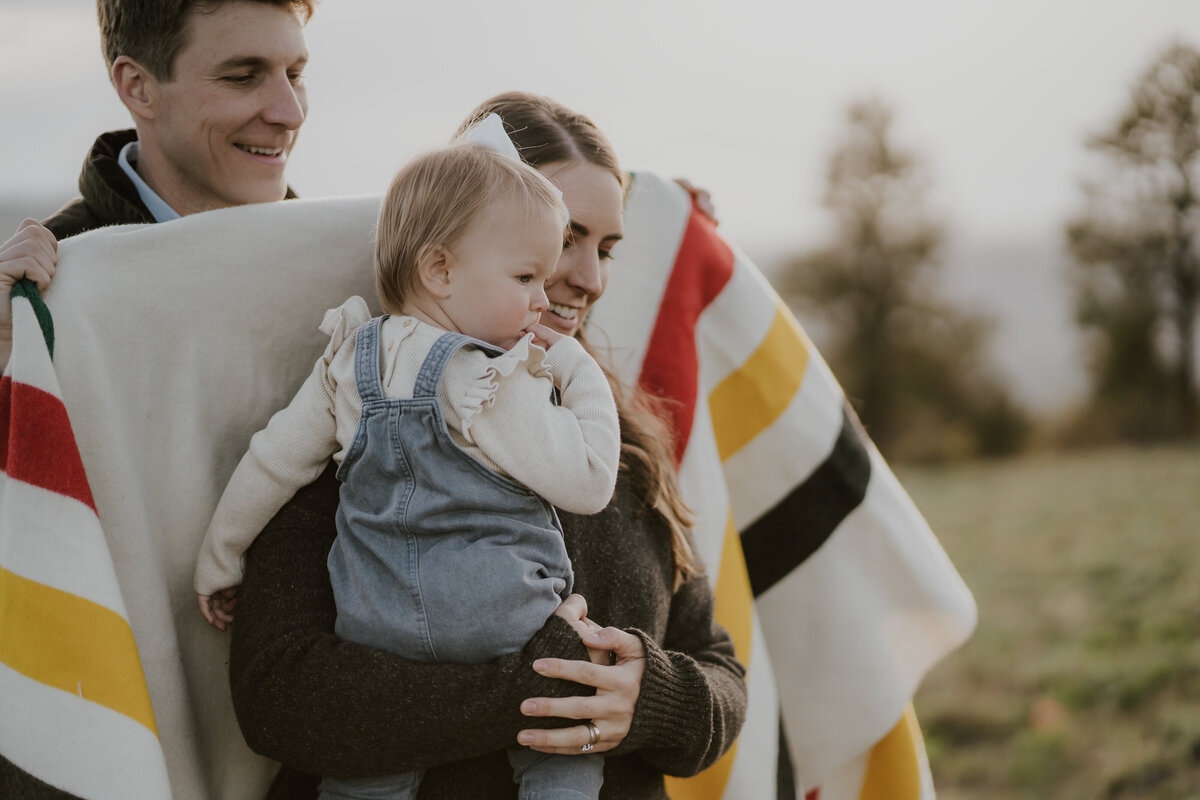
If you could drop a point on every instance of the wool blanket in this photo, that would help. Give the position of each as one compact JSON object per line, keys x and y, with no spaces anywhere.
{"x":175,"y":342}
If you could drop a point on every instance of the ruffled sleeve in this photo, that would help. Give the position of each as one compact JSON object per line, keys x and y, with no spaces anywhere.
{"x":567,"y":453}
{"x":478,"y":391}
{"x":339,"y":323}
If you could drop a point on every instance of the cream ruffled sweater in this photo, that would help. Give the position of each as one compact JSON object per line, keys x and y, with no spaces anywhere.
{"x":497,"y":410}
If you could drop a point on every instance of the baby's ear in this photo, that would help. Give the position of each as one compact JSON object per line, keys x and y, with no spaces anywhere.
{"x":433,"y":270}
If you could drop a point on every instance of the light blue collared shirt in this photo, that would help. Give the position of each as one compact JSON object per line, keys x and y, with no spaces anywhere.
{"x":156,"y":205}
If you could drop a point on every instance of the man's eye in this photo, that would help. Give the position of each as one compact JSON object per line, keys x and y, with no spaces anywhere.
{"x":296,"y":78}
{"x":238,"y":80}
{"x":606,"y":255}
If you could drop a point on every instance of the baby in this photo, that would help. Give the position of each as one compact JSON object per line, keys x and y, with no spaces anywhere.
{"x":458,"y":424}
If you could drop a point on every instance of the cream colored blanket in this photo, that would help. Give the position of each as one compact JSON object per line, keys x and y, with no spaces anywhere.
{"x":177,"y":341}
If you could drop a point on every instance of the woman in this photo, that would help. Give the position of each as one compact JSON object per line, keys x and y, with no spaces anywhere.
{"x":674,"y":697}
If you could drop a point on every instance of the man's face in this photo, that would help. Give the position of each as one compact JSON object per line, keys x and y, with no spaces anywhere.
{"x":223,"y":127}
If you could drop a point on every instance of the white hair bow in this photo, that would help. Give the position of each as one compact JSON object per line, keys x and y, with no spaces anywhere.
{"x":490,"y":133}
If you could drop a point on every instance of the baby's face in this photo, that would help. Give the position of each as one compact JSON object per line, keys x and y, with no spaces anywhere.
{"x":499,"y":270}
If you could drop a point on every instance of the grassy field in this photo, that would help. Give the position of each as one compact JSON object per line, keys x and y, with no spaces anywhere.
{"x":1083,"y":677}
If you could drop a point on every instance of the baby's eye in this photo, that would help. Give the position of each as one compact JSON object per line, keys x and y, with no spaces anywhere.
{"x":525,"y":279}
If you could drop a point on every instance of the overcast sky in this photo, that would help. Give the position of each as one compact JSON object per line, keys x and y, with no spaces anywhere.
{"x":745,"y":97}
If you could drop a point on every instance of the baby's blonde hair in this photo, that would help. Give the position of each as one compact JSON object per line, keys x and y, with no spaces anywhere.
{"x":433,"y":199}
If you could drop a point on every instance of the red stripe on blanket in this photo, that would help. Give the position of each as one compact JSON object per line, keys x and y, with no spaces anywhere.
{"x":703,"y":265}
{"x":37,"y":445}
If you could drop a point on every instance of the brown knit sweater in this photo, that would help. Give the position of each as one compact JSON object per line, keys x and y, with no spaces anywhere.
{"x":324,"y":706}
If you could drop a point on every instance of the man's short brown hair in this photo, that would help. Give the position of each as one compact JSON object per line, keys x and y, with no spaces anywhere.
{"x":152,"y":32}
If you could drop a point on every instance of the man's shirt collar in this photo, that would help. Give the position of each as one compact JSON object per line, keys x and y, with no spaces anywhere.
{"x":157,"y":207}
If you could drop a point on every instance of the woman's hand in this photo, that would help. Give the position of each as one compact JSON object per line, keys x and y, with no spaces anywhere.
{"x":610,"y":709}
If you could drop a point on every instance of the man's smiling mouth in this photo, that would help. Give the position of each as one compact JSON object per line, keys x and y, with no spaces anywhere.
{"x":270,"y":152}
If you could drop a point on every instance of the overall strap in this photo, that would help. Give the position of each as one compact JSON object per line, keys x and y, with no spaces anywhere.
{"x":366,"y":361}
{"x":438,"y":357}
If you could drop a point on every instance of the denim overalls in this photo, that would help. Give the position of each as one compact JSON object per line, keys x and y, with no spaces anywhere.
{"x":440,"y":558}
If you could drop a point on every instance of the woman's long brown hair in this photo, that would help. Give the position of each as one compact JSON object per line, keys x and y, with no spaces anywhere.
{"x":546,"y":132}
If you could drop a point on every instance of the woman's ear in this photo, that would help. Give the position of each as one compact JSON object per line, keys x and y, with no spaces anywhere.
{"x":135,"y":86}
{"x":433,"y":270}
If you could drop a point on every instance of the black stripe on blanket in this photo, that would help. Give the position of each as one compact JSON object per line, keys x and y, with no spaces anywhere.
{"x":780,"y":540}
{"x":785,"y":774}
{"x":17,"y":784}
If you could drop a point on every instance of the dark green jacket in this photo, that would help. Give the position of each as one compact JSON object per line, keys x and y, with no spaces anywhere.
{"x":107,"y":195}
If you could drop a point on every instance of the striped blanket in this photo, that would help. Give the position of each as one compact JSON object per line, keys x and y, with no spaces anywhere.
{"x":71,"y":686}
{"x":837,"y":594}
{"x":175,"y":342}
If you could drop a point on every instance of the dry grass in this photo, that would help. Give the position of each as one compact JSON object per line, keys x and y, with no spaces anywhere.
{"x":1083,"y":678}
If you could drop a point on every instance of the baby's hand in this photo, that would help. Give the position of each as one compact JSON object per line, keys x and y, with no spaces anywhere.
{"x":602,"y":657}
{"x":543,"y":336}
{"x":217,"y":608}
{"x":574,"y":611}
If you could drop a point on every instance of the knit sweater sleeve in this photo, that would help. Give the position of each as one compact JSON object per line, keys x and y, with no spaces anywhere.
{"x":288,"y":453}
{"x":325,"y":706}
{"x":693,"y":697}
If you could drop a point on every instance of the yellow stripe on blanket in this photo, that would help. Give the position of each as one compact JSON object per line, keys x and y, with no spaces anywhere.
{"x":72,"y":644}
{"x":734,"y":602}
{"x":892,"y":769}
{"x":734,"y":611}
{"x":753,"y":396}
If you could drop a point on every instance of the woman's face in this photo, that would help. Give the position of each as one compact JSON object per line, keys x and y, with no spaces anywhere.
{"x":594,"y":198}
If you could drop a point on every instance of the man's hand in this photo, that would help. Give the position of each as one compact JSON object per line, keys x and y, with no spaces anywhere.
{"x":31,"y":253}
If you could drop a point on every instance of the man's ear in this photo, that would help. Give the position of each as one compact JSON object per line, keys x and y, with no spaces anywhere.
{"x":136,"y":87}
{"x":433,"y":270}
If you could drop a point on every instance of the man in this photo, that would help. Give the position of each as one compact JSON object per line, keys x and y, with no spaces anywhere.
{"x":216,"y":92}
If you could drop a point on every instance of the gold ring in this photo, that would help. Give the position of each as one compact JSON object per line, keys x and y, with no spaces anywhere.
{"x":595,"y":736}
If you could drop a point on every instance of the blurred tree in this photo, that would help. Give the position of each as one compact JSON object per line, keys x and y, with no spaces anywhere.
{"x":910,"y":362}
{"x":1136,"y":250}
